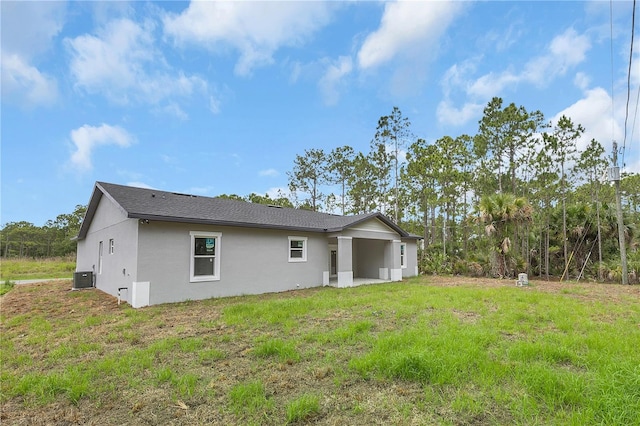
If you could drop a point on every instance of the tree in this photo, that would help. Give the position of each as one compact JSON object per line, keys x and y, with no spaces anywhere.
{"x":421,"y":180}
{"x":20,"y":239}
{"x":362,"y":185}
{"x":280,"y":201}
{"x":231,"y":197}
{"x":562,"y":143}
{"x":340,"y":166}
{"x":309,"y":173}
{"x":381,"y":161}
{"x":503,"y":133}
{"x":392,"y":132}
{"x":593,"y":165}
{"x":630,"y":187}
{"x":498,"y":213}
{"x":543,"y":191}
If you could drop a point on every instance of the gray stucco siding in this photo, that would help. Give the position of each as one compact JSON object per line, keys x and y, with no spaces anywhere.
{"x":369,"y":257}
{"x":411,"y":257}
{"x":252,"y":261}
{"x":371,"y":235}
{"x":118,"y":269}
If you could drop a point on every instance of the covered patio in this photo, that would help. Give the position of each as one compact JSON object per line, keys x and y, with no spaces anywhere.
{"x":333,"y":282}
{"x":356,"y":261}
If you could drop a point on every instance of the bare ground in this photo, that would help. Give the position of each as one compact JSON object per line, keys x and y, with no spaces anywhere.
{"x":346,"y":399}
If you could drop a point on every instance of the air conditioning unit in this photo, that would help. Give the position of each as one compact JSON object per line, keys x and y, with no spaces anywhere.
{"x":82,"y":280}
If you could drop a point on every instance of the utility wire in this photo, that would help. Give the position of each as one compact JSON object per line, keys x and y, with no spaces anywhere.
{"x":613,"y":118}
{"x":626,"y":116}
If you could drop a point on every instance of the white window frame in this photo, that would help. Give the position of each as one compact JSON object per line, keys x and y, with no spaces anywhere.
{"x":403,"y":255}
{"x":304,"y":249}
{"x":100,"y":249}
{"x":216,"y":257}
{"x":111,"y":246}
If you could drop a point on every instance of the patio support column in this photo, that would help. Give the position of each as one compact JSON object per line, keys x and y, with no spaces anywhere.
{"x":345,"y":261}
{"x":396,"y":268}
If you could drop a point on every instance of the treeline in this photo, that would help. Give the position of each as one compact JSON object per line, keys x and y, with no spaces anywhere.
{"x":518,"y":196}
{"x":54,"y":239}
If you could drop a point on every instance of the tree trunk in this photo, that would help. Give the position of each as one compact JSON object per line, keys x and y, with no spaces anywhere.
{"x":599,"y":238}
{"x":564,"y":222}
{"x":564,"y":232}
{"x":540,"y":255}
{"x":433,"y":224}
{"x":546,"y":251}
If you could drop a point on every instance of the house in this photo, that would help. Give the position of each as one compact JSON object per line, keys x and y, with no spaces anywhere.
{"x":150,"y":247}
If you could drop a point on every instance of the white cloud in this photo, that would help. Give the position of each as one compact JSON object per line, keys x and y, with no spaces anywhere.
{"x":174,"y":110}
{"x":214,"y":105}
{"x":331,"y":81}
{"x":564,"y":52}
{"x":140,"y":185}
{"x":279,"y":191}
{"x":255,"y":29}
{"x":632,"y":166}
{"x":635,"y":70}
{"x":28,"y":29}
{"x":593,"y":112}
{"x":407,"y":27}
{"x":122,"y":63}
{"x":457,"y":75}
{"x":448,"y":114}
{"x":202,"y":190}
{"x":570,"y":48}
{"x":87,"y":138}
{"x":25,"y":84}
{"x":491,"y":84}
{"x":269,"y":172}
{"x":582,"y":81}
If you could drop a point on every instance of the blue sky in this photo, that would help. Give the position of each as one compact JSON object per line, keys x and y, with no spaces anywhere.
{"x":210,"y":98}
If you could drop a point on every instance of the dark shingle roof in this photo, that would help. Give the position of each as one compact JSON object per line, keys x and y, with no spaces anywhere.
{"x":151,"y":204}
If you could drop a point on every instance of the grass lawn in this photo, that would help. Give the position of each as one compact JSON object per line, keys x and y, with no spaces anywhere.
{"x":13,"y":269}
{"x":430,"y":350}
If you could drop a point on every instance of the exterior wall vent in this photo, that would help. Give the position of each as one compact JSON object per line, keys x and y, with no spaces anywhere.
{"x":82,"y":280}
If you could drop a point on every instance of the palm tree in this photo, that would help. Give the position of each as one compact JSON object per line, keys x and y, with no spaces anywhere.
{"x":500,"y":214}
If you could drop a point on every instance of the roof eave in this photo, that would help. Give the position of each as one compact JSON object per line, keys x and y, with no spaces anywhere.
{"x":200,"y":221}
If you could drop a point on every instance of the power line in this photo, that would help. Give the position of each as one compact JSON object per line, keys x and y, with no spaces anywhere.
{"x":626,"y":116}
{"x":613,"y":117}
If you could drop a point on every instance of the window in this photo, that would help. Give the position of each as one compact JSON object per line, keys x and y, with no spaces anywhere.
{"x":205,"y":256}
{"x":403,"y":255}
{"x":111,"y":246}
{"x":297,"y":249}
{"x":100,"y":257}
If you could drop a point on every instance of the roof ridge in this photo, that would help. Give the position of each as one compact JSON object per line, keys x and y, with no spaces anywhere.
{"x":155,"y":204}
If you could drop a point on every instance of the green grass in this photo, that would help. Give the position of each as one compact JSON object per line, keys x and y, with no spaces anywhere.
{"x":302,"y":408}
{"x":6,"y":287}
{"x":27,"y":268}
{"x":404,"y":353}
{"x":249,"y":399}
{"x":285,"y":351}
